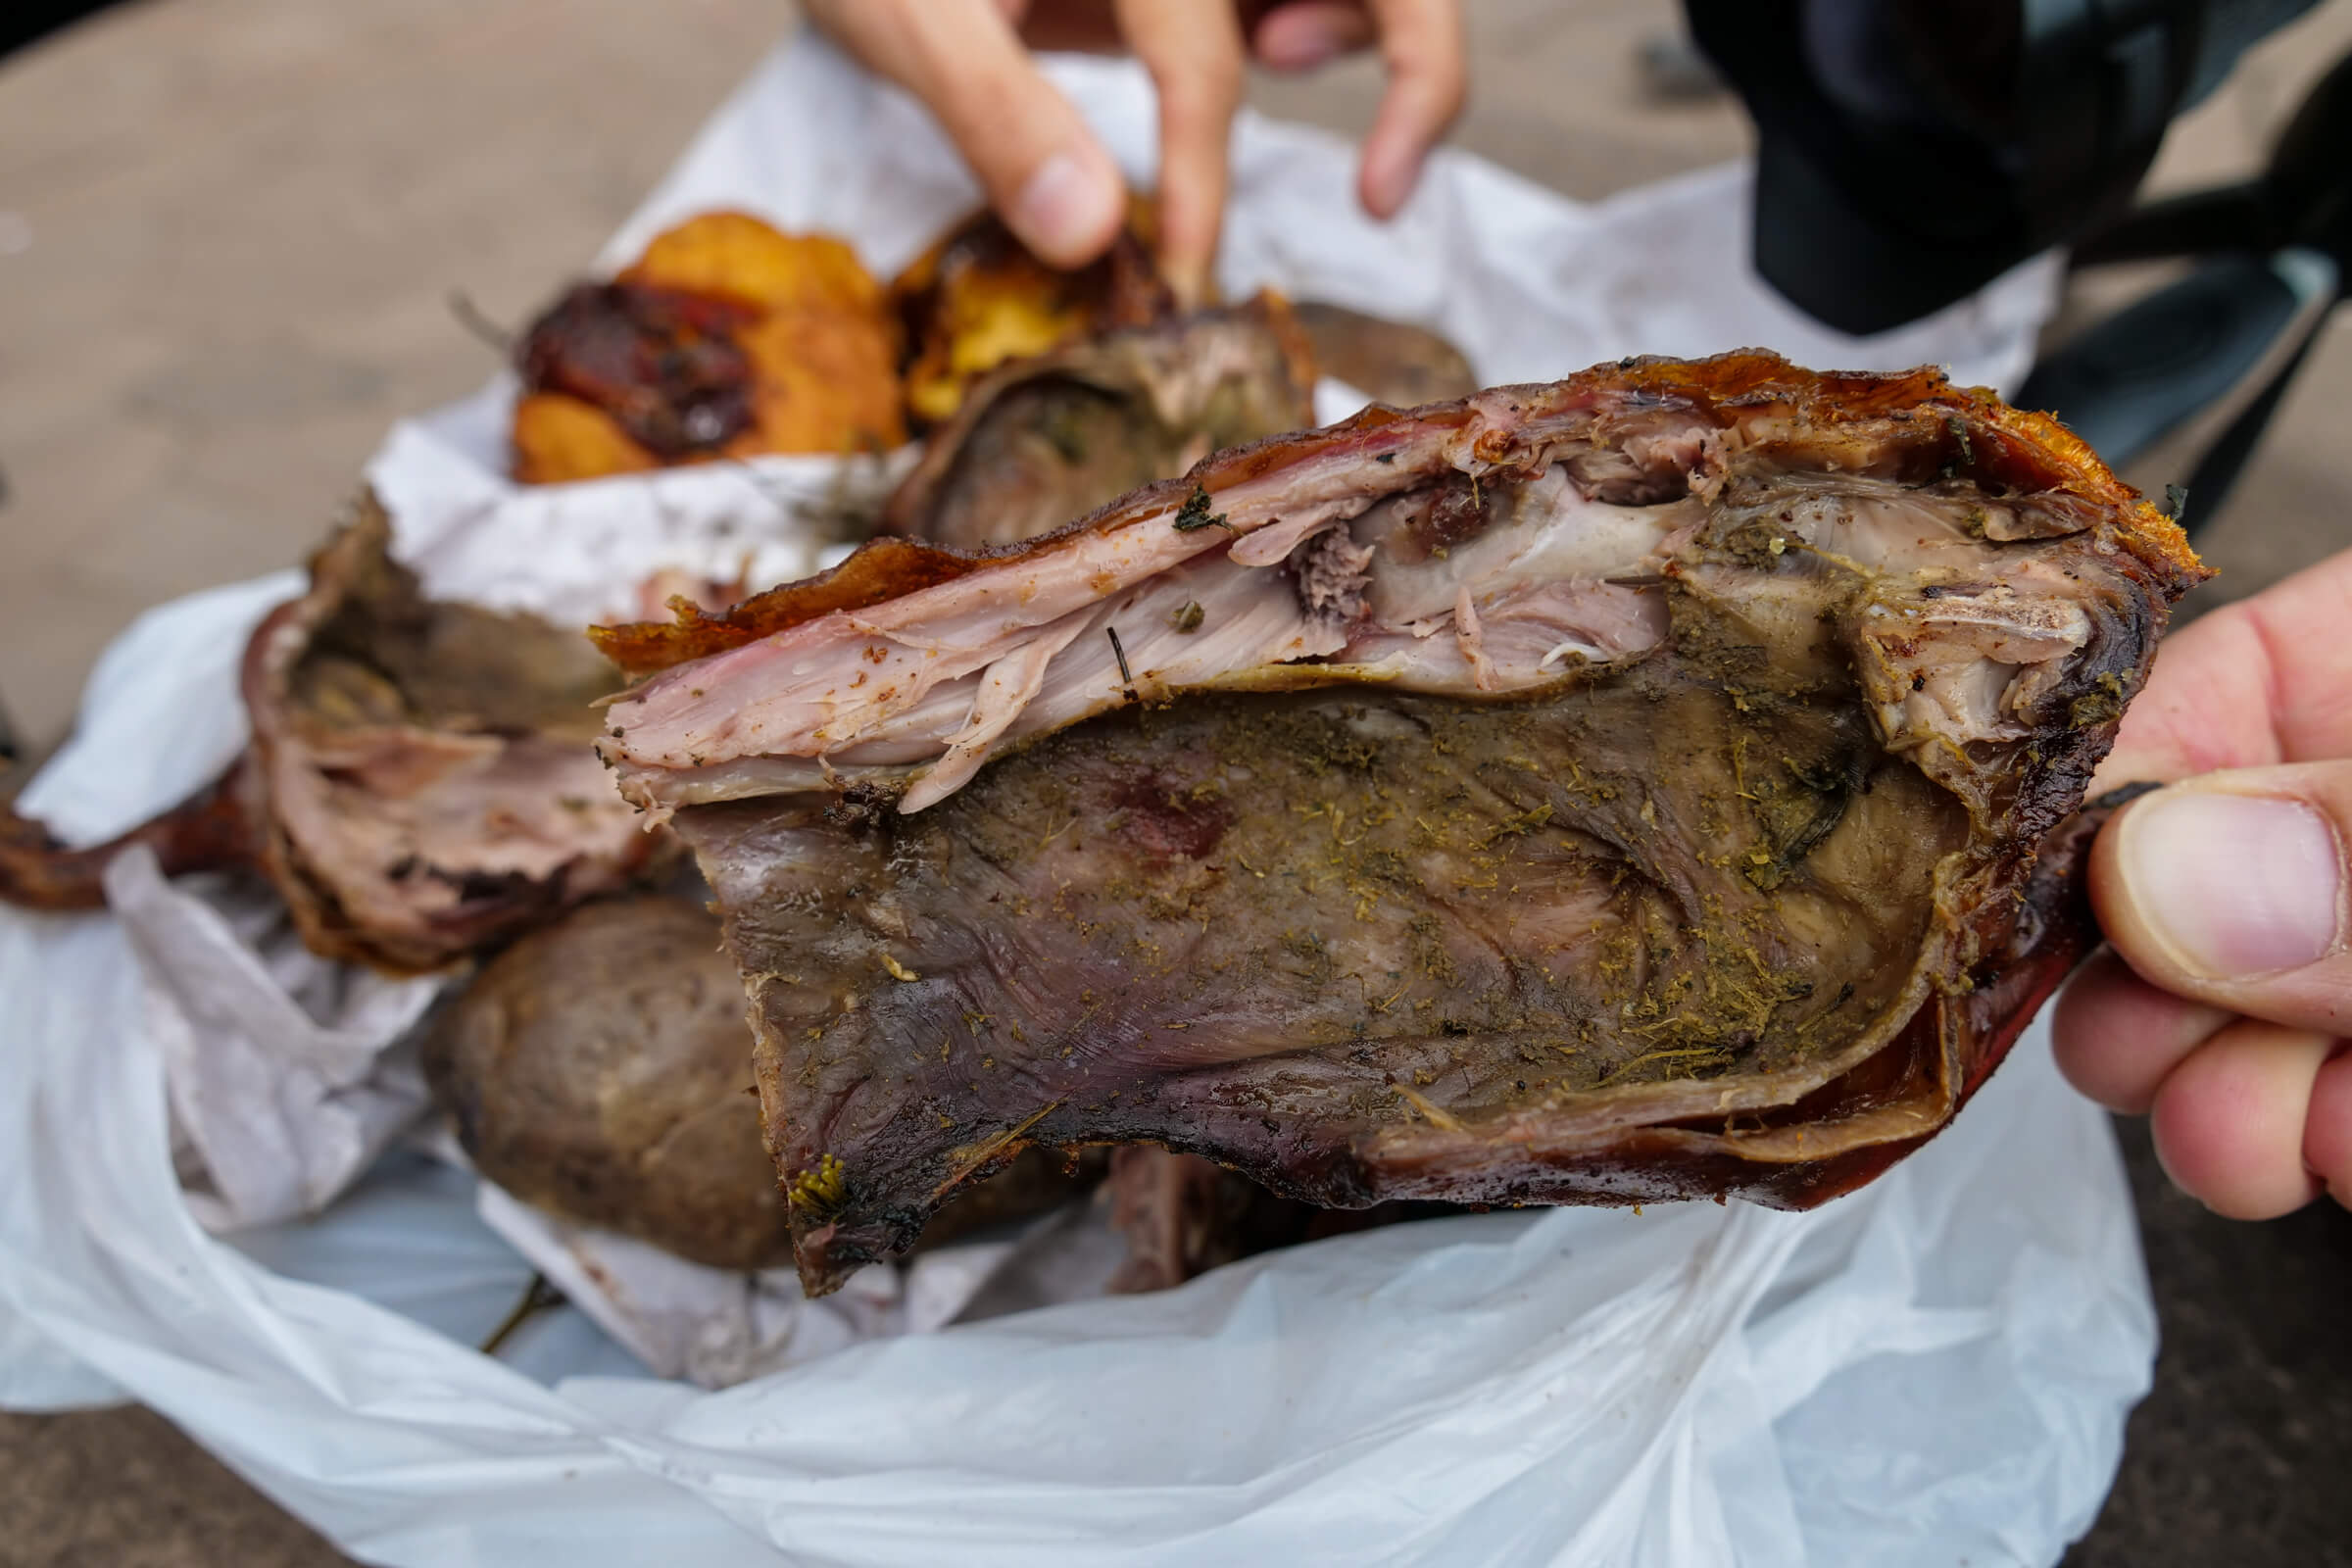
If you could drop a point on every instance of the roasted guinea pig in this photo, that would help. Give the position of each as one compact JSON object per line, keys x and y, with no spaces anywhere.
{"x":977,"y":298}
{"x":1041,"y":440}
{"x":727,"y":338}
{"x":1655,"y":784}
{"x":600,"y":1069}
{"x":420,"y":783}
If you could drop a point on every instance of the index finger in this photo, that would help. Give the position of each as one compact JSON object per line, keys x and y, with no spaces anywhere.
{"x":2256,"y":683}
{"x":1194,"y":53}
{"x":1044,"y":170}
{"x":1421,"y":42}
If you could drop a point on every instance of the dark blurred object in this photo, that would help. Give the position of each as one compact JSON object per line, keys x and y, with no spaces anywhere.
{"x":1910,"y":151}
{"x":1675,"y":71}
{"x":1390,"y":362}
{"x":2253,"y":1396}
{"x":24,"y":22}
{"x":2194,"y":372}
{"x":1045,"y":438}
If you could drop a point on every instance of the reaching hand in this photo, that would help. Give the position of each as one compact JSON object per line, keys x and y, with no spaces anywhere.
{"x":2222,"y":1007}
{"x":1053,"y":182}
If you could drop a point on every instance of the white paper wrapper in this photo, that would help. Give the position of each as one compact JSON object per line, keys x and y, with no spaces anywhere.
{"x":1932,"y":1370}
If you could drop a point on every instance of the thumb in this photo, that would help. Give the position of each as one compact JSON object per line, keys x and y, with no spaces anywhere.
{"x":2230,"y":888}
{"x":1045,"y":173}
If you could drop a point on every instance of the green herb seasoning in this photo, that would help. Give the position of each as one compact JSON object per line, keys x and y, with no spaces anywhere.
{"x":1195,"y":515}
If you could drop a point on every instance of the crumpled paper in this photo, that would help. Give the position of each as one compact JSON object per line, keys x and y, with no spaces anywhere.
{"x":1938,"y":1364}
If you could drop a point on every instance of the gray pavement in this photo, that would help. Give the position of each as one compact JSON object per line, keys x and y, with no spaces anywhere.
{"x":228,"y":229}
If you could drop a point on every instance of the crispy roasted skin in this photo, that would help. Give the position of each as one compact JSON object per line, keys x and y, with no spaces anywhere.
{"x":1743,"y":898}
{"x":666,"y":365}
{"x":1908,"y":413}
{"x":211,"y":831}
{"x":1041,"y":440}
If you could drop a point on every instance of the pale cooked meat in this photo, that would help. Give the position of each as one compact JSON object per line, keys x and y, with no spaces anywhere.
{"x":420,"y":783}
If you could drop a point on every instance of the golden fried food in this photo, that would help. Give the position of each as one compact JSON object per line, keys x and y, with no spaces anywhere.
{"x":977,"y":298}
{"x":727,"y":338}
{"x":559,"y":439}
{"x":737,"y":257}
{"x":821,"y":381}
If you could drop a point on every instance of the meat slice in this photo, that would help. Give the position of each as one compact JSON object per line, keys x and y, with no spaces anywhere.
{"x":1655,"y":784}
{"x":427,"y":783}
{"x":421,"y":781}
{"x":1041,"y":440}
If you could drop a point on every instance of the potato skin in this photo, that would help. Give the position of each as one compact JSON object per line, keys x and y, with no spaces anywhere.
{"x":601,"y":1069}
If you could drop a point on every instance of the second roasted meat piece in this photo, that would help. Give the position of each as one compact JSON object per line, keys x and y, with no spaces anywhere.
{"x":1647,"y":785}
{"x":420,"y":783}
{"x":1039,"y":441}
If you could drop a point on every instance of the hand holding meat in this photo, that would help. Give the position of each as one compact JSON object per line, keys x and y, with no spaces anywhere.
{"x":2222,"y":1011}
{"x":1043,"y":170}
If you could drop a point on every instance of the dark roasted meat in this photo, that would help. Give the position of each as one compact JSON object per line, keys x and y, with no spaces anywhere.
{"x":420,"y":783}
{"x":1182,"y":1215}
{"x":211,"y":831}
{"x":1647,"y":785}
{"x":665,"y":364}
{"x":1039,"y":441}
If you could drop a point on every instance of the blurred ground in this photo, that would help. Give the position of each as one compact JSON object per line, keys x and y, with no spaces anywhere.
{"x":228,"y":230}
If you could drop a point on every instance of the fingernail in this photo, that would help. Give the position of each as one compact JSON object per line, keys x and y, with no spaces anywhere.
{"x":1307,"y":42}
{"x":2235,"y":885}
{"x":1062,"y":207}
{"x":1302,"y":37}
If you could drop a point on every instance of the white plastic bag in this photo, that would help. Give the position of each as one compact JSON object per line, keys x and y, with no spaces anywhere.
{"x":1932,"y":1370}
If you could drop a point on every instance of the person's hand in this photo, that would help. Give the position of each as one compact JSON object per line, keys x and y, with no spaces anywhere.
{"x":1053,"y":182}
{"x":2221,"y":1009}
